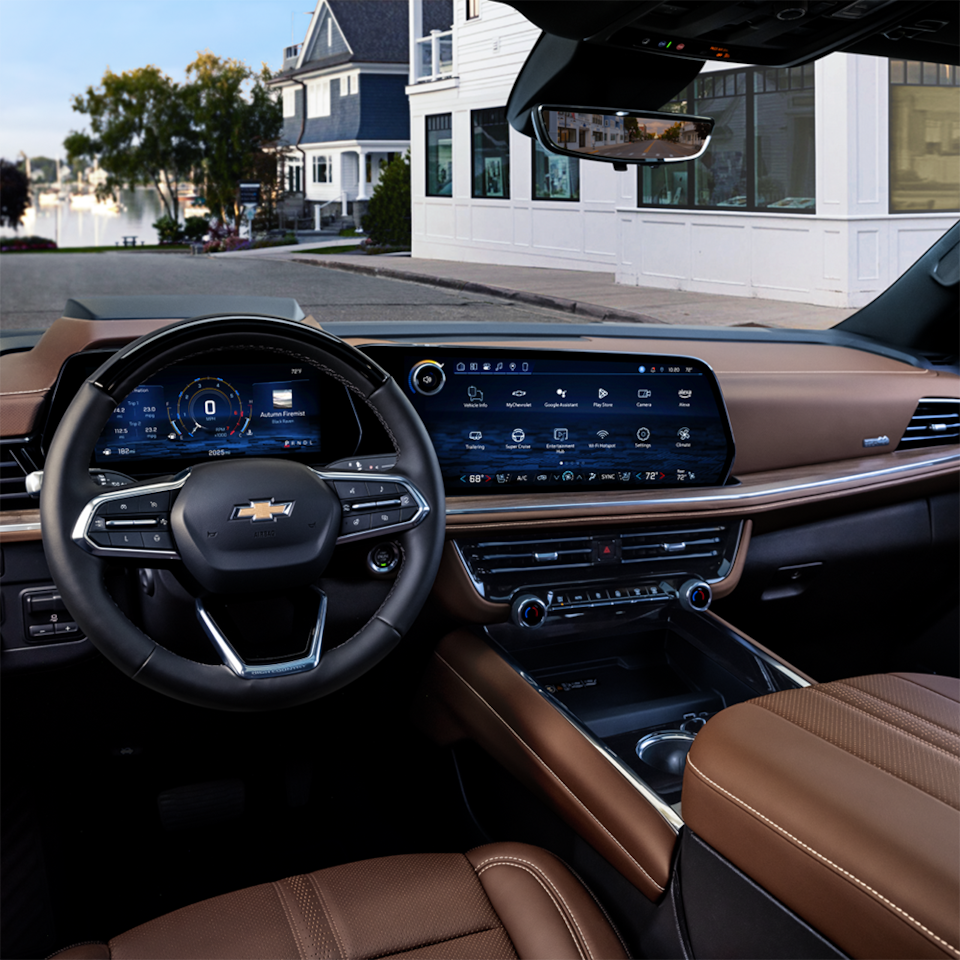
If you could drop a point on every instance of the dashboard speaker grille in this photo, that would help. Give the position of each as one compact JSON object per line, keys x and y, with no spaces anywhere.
{"x":935,"y":423}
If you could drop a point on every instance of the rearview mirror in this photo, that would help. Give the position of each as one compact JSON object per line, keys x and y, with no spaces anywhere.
{"x":622,"y":136}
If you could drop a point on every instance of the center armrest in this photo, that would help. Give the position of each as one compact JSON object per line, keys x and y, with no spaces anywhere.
{"x":842,"y":800}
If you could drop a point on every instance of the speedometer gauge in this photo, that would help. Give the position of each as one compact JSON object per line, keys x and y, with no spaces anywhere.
{"x":209,"y":407}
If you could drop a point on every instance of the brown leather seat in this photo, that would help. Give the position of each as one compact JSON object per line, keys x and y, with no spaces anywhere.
{"x":843,"y":801}
{"x":497,"y":901}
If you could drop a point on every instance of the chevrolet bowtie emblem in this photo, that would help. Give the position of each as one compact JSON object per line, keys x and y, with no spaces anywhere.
{"x":262,"y":510}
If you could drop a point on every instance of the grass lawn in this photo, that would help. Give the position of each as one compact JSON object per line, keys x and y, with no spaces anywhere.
{"x":149,"y":248}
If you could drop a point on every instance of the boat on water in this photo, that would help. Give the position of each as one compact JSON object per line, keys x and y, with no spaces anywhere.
{"x":89,"y":201}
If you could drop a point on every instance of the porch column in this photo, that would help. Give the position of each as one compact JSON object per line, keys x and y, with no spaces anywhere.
{"x":362,"y":175}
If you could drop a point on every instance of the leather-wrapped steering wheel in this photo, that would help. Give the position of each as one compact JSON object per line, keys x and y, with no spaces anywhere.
{"x":209,"y":515}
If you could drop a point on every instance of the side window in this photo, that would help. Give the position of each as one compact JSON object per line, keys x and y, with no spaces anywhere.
{"x":490,"y":153}
{"x":289,"y":101}
{"x":439,"y":156}
{"x":473,"y":9}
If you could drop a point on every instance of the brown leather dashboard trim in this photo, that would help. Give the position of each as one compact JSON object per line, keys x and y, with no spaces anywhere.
{"x":467,"y":681}
{"x":18,"y":525}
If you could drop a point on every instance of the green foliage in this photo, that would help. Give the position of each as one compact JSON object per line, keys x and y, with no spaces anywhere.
{"x":387,"y":222}
{"x":141,"y":131}
{"x":195,"y":228}
{"x":11,"y":244}
{"x":235,"y":116}
{"x":14,"y":194}
{"x":211,"y":129}
{"x":168,"y":230}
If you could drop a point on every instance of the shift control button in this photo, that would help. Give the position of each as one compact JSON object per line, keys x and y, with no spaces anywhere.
{"x":42,"y":630}
{"x":129,"y":538}
{"x":67,"y":627}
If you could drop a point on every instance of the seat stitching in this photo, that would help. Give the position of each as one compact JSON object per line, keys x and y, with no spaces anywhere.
{"x":323,"y":906}
{"x":548,"y":769}
{"x":290,"y":923}
{"x":903,"y":913}
{"x":936,"y":693}
{"x":519,"y":866}
{"x":434,"y":943}
{"x":896,"y":706}
{"x":892,"y":726}
{"x":504,"y":859}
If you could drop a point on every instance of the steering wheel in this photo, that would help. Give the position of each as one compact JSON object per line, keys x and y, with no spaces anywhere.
{"x":240,"y":527}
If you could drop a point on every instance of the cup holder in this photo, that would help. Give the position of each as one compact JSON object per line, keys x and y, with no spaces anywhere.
{"x":666,"y":750}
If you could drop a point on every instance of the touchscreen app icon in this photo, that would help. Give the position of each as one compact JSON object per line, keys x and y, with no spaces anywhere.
{"x":560,"y":433}
{"x":685,"y":394}
{"x":643,"y":394}
{"x":517,"y":436}
{"x":474,"y":394}
{"x":476,"y":435}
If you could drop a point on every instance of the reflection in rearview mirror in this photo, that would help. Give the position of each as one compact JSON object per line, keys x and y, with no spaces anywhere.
{"x":622,"y":136}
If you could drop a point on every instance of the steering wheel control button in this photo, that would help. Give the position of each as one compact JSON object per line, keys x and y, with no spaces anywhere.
{"x":118,"y":508}
{"x":154,"y":503}
{"x":41,"y":630}
{"x":384,"y":518}
{"x":378,"y":488}
{"x":355,"y":523}
{"x":129,"y":538}
{"x":350,"y":489}
{"x":154,"y":540}
{"x":383,"y":558}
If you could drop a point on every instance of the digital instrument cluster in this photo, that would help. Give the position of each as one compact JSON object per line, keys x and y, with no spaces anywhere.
{"x":190,"y":412}
{"x":505,"y":421}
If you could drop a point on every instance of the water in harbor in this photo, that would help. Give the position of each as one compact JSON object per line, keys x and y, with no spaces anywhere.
{"x":101,"y":226}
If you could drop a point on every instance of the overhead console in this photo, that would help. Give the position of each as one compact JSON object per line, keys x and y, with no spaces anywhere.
{"x":543,"y":420}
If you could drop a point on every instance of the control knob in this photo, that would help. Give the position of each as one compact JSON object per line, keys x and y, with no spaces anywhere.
{"x":694,"y":595}
{"x":528,"y":610}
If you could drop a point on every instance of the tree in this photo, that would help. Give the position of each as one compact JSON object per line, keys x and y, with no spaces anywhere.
{"x":141,"y":132}
{"x":14,"y":194}
{"x":388,"y":216}
{"x":237,"y":119}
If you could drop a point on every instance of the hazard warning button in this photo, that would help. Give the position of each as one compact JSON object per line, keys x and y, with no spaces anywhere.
{"x":606,"y":551}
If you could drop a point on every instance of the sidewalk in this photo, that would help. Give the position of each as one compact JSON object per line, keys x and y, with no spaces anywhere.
{"x":585,"y":293}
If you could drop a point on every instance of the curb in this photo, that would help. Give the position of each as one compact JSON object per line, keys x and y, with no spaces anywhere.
{"x":595,"y":312}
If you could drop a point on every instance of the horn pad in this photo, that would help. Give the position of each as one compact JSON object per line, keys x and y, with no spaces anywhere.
{"x":255,"y":525}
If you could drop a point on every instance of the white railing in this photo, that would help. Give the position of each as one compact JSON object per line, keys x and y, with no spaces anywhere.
{"x":434,"y":56}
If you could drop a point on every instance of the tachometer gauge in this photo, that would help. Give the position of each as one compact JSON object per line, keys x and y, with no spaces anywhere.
{"x":209,"y":407}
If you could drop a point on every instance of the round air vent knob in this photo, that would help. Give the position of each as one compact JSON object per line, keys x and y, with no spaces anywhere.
{"x":528,"y":611}
{"x":695,"y":595}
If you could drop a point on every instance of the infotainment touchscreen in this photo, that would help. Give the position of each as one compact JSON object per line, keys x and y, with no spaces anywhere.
{"x":513,"y":421}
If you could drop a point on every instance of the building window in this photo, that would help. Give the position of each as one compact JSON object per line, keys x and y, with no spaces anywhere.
{"x":473,"y":9}
{"x":294,"y":178}
{"x":439,"y":156}
{"x":490,"y":149}
{"x":322,"y":169}
{"x":555,"y":177}
{"x":318,"y":98}
{"x":924,"y":136}
{"x":761,"y":156}
{"x":349,"y":84}
{"x":289,"y":101}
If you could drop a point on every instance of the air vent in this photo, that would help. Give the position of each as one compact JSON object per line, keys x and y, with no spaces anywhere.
{"x":501,"y":567}
{"x":15,"y":464}
{"x":935,"y":423}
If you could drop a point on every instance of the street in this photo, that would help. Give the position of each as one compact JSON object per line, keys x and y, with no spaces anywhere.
{"x":34,"y":288}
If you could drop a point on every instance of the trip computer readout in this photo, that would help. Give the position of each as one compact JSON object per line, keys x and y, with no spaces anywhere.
{"x":503,"y":422}
{"x":189,"y":412}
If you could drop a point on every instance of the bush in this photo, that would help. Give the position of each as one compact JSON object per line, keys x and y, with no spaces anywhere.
{"x":195,"y":229}
{"x":27,"y":243}
{"x":387,"y":222}
{"x":168,"y":230}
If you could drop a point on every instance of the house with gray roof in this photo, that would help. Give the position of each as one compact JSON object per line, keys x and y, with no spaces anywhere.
{"x":345,"y":110}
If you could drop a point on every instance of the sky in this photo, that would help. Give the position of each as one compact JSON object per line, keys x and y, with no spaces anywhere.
{"x":53,"y":49}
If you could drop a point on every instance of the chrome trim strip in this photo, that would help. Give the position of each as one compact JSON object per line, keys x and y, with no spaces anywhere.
{"x":19,"y":527}
{"x":423,"y":508}
{"x":79,"y":534}
{"x":247,"y":671}
{"x":667,"y":812}
{"x":720,"y":499}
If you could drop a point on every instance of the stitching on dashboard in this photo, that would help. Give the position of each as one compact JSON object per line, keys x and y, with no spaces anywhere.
{"x":819,"y":856}
{"x":549,"y":770}
{"x":536,"y":874}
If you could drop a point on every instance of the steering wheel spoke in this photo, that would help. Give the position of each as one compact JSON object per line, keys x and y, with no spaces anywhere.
{"x":375,"y":506}
{"x":308,"y":660}
{"x":130,"y":523}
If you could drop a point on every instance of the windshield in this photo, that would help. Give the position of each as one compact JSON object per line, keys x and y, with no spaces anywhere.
{"x":147,"y":167}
